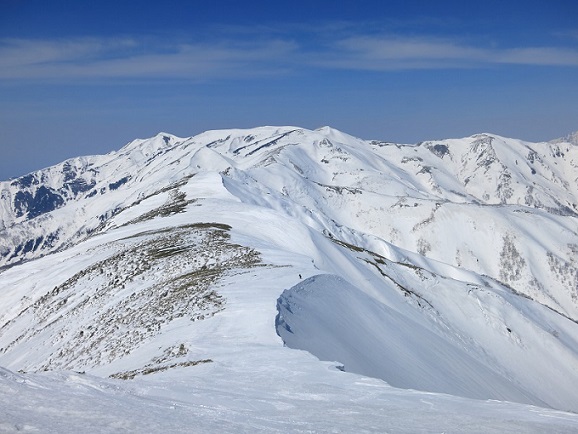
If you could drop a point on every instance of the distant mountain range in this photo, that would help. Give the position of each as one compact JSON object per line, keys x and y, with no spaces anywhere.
{"x":447,"y":266}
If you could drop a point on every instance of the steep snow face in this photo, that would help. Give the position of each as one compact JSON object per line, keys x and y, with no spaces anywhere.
{"x":426,"y":344}
{"x":447,"y":266}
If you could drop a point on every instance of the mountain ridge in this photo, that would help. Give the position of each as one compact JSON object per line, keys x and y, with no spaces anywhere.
{"x":151,"y":257}
{"x":478,"y":177}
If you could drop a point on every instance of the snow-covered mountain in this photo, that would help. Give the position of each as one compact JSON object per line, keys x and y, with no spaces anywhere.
{"x":448,"y":266}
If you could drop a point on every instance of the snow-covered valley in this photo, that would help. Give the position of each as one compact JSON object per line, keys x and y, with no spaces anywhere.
{"x":173,"y":285}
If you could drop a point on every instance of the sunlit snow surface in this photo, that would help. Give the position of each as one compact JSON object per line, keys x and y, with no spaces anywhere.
{"x":169,"y":286}
{"x":266,"y":390}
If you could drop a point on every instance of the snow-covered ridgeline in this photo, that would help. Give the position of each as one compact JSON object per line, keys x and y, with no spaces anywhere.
{"x":440,"y":198}
{"x":448,"y":266}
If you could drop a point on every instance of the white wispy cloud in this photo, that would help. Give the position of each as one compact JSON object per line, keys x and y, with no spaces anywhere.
{"x":147,"y":58}
{"x":394,"y":53}
{"x":129,"y":58}
{"x":546,"y":56}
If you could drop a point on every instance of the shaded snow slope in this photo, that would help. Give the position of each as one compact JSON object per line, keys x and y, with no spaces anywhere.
{"x":488,"y":358}
{"x":447,"y":266}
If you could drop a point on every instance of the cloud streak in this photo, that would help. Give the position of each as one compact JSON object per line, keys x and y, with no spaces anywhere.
{"x":147,"y":58}
{"x":132,"y":59}
{"x":395,"y":53}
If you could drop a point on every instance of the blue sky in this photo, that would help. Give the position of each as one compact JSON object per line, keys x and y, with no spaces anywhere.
{"x":79,"y":77}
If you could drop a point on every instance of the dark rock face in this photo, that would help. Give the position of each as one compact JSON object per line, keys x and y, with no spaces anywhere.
{"x":439,"y":150}
{"x":44,"y":200}
{"x":34,"y":198}
{"x":117,"y":184}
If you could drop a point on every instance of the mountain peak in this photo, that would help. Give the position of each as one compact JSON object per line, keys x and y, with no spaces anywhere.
{"x":152,"y":145}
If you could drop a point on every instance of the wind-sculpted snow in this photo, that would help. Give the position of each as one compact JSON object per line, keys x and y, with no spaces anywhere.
{"x":333,"y":320}
{"x":421,"y":330}
{"x":447,"y":266}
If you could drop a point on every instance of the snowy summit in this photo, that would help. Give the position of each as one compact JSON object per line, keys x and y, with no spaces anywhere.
{"x":279,"y":279}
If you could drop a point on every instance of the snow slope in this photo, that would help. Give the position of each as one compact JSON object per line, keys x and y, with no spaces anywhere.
{"x":290,"y":392}
{"x":195,"y":264}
